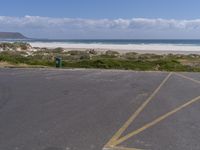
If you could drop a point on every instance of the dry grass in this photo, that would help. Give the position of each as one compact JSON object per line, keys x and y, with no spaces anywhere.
{"x":5,"y":64}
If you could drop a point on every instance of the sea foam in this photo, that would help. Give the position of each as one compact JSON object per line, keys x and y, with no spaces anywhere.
{"x":136,"y":47}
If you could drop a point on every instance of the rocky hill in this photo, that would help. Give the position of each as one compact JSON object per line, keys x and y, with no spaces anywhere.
{"x":11,"y":35}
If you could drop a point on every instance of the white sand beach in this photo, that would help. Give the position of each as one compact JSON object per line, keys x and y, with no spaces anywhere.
{"x":123,"y":48}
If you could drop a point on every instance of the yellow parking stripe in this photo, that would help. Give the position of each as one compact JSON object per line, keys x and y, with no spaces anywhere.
{"x":124,"y":148}
{"x":134,"y":116}
{"x":156,"y":121}
{"x":183,"y":76}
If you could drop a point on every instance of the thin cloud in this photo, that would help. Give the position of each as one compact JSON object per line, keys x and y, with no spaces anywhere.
{"x":85,"y":27}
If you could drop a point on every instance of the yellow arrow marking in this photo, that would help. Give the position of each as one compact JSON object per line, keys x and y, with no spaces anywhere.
{"x":159,"y":119}
{"x":134,"y":116}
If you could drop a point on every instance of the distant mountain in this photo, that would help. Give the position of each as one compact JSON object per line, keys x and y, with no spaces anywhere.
{"x":11,"y":35}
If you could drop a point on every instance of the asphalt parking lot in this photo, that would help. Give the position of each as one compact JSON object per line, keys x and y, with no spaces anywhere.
{"x":43,"y":109}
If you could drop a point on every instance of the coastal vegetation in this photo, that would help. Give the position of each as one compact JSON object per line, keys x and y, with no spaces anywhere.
{"x":23,"y":55}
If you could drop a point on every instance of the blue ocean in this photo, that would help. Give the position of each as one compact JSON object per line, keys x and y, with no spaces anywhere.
{"x":119,"y":44}
{"x":113,"y":41}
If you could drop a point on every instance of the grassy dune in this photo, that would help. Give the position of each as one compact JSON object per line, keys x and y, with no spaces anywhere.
{"x":21,"y":53}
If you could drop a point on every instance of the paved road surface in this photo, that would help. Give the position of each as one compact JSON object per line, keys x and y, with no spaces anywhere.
{"x":82,"y":109}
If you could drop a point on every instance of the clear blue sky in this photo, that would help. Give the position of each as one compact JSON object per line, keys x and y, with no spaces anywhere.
{"x":176,"y":9}
{"x":96,"y":10}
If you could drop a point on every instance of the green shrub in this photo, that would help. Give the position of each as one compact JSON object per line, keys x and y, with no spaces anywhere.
{"x":58,"y":50}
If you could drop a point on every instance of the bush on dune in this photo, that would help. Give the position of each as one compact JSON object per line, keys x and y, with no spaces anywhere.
{"x":104,"y":60}
{"x":15,"y":46}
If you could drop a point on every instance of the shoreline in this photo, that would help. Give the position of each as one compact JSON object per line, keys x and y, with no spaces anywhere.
{"x":159,"y":52}
{"x":138,"y":48}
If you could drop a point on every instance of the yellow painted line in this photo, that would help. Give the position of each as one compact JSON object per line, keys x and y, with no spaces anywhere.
{"x":124,"y":148}
{"x":183,"y":76}
{"x":134,"y":116}
{"x":156,"y":121}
